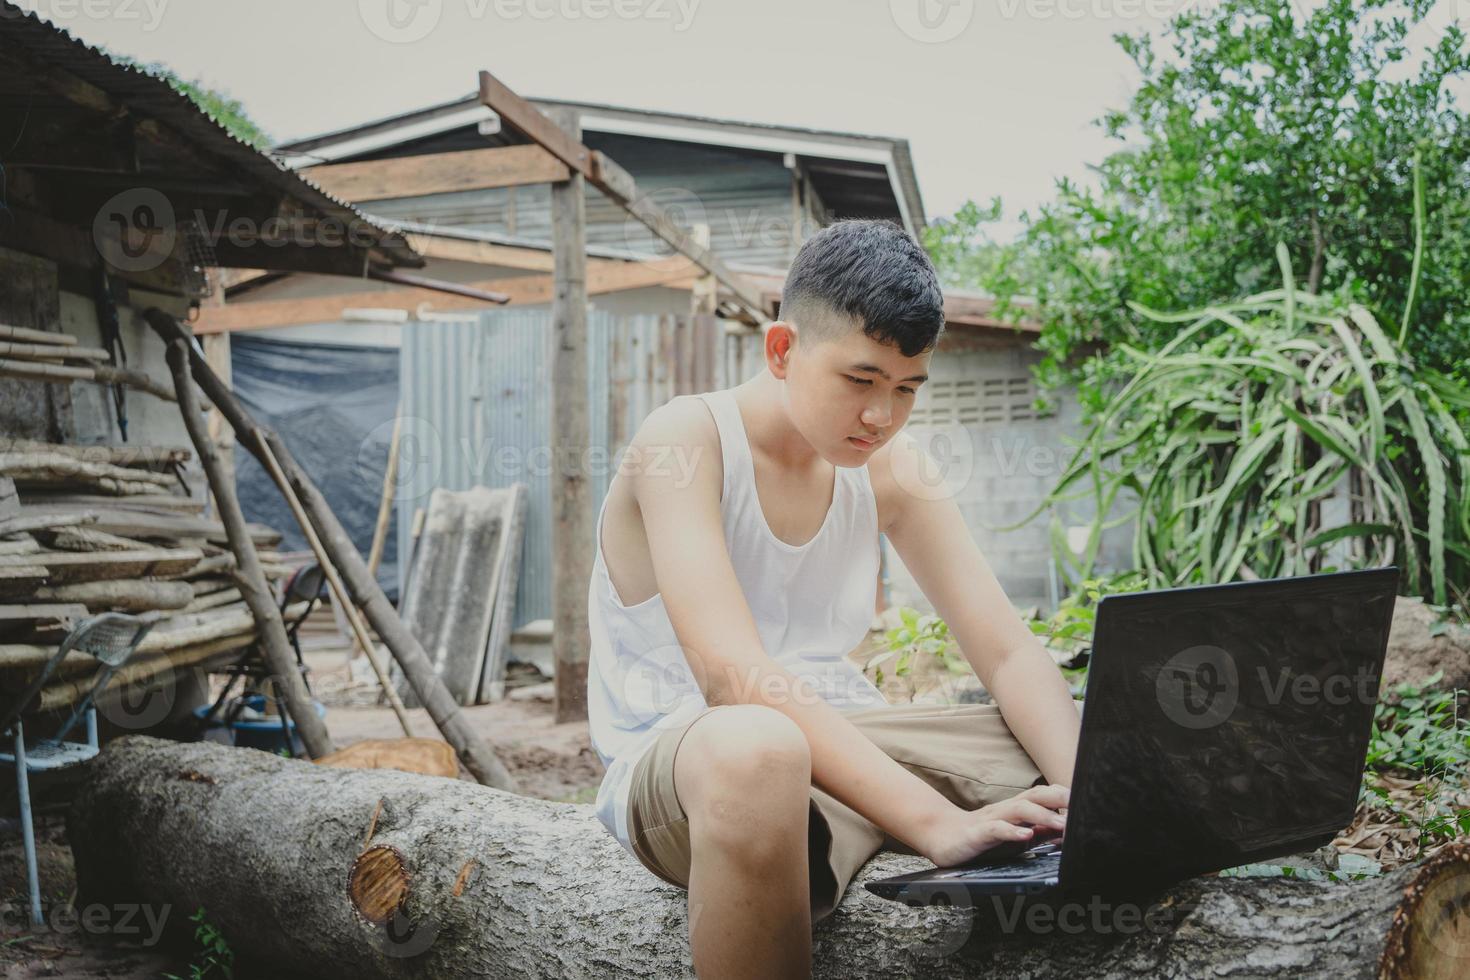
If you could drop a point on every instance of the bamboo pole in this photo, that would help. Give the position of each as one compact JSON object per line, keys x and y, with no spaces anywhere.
{"x":339,"y":591}
{"x":250,"y":577}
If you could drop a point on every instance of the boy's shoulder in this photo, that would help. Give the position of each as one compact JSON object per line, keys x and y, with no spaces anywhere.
{"x":671,"y":447}
{"x":683,"y":420}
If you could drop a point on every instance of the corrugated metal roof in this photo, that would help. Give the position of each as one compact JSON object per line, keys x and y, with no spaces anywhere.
{"x":150,"y":95}
{"x":724,"y":132}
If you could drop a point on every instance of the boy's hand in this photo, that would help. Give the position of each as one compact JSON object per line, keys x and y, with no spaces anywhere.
{"x":1032,"y":817}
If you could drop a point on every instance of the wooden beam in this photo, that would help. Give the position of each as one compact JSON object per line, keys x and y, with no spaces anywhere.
{"x":571,"y":495}
{"x":486,"y":253}
{"x":439,"y":173}
{"x":534,"y":124}
{"x":616,"y":183}
{"x":675,"y":272}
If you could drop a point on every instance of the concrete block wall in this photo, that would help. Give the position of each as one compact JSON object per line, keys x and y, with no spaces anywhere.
{"x":1002,"y":462}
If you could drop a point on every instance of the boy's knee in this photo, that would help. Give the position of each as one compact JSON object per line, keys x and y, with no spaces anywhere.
{"x":742,"y":766}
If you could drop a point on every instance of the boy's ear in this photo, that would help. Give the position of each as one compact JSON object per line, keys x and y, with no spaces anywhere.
{"x":779,"y":340}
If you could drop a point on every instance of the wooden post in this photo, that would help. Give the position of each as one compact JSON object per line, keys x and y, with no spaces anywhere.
{"x":473,"y":751}
{"x":571,"y":504}
{"x":704,"y":297}
{"x":217,"y":353}
{"x":250,"y":579}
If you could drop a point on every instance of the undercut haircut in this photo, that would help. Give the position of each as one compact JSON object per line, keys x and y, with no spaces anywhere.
{"x":867,"y":274}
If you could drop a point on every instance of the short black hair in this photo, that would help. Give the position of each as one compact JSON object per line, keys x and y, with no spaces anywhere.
{"x":873,"y":272}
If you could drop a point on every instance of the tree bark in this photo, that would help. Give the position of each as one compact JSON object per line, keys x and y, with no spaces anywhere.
{"x":274,"y":644}
{"x":377,"y":873}
{"x":472,"y":749}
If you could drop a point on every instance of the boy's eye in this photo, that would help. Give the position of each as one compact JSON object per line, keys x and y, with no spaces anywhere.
{"x":867,"y":381}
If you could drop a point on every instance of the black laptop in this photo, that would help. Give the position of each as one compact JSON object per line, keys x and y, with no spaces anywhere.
{"x":1223,"y":725}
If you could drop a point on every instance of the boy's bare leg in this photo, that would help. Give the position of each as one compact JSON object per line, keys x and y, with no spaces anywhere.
{"x":743,"y":777}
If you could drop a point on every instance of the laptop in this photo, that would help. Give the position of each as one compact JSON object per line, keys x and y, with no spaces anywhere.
{"x":1223,"y":725}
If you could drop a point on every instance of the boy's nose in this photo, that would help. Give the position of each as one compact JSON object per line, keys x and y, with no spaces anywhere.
{"x":877,"y":416}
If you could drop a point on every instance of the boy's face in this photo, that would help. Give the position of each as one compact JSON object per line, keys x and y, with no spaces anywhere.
{"x":849,"y":395}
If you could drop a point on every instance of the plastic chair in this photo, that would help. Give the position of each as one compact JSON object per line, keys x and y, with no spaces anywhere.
{"x":111,"y":638}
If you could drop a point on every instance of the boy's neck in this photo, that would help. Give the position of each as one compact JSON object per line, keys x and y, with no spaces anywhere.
{"x":768,"y":426}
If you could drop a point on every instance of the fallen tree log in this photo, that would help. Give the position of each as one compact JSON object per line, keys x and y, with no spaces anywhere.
{"x":389,"y":874}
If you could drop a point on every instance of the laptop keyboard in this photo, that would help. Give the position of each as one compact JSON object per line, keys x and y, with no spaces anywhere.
{"x":1035,"y":865}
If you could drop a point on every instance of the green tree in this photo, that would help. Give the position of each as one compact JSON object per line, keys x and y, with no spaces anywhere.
{"x":1253,"y":124}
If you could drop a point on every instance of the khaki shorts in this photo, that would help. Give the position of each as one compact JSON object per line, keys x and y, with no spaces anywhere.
{"x":967,"y":752}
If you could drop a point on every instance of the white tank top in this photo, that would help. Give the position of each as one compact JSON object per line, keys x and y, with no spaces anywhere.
{"x":812,"y":604}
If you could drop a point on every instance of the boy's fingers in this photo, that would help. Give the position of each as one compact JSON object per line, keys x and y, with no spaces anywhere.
{"x":1035,"y":813}
{"x":1053,"y":796}
{"x":1003,"y":830}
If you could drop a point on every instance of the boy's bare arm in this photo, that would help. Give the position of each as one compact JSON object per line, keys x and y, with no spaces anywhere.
{"x":930,"y":535}
{"x":715,"y":628}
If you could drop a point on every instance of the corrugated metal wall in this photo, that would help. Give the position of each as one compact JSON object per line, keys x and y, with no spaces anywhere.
{"x":476,"y":405}
{"x":744,"y":197}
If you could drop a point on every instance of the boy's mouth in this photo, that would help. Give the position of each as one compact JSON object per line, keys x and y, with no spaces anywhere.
{"x":862,"y":443}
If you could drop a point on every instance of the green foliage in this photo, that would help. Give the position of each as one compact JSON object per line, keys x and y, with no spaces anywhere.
{"x":1070,"y":627}
{"x":1229,"y":437}
{"x":1423,"y":736}
{"x":1254,"y":123}
{"x":229,"y":113}
{"x":1076,"y":615}
{"x":214,"y":957}
{"x":918,"y":635}
{"x":1421,"y":733}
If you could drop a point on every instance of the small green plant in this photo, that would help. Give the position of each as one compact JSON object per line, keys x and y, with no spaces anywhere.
{"x":1076,"y":615}
{"x":918,"y":635}
{"x":1421,"y":733}
{"x":214,"y":957}
{"x":1069,"y":629}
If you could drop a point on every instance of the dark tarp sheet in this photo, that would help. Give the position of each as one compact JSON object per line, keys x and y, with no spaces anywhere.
{"x":334,"y":406}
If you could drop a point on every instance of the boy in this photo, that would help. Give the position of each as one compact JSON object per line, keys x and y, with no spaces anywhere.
{"x":748,"y":760}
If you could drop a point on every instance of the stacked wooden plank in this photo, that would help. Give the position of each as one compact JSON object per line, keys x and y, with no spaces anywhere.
{"x":57,"y":358}
{"x":89,"y":529}
{"x":461,"y":590}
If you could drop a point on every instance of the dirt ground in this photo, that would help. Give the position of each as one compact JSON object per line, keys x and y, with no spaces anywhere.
{"x":550,"y":761}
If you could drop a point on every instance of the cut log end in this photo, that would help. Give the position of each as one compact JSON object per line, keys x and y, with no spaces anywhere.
{"x":378,"y":884}
{"x":1430,"y":935}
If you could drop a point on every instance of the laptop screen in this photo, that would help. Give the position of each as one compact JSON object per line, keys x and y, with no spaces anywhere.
{"x":1224,"y":724}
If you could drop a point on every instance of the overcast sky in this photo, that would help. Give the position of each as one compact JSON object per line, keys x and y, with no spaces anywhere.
{"x":995,"y":96}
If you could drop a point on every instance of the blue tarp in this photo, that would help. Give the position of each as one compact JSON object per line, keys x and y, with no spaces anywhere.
{"x":334,"y":406}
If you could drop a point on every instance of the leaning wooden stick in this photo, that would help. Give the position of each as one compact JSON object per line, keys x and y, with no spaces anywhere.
{"x":250,"y":578}
{"x":385,"y":510}
{"x":339,"y":591}
{"x":472,"y":749}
